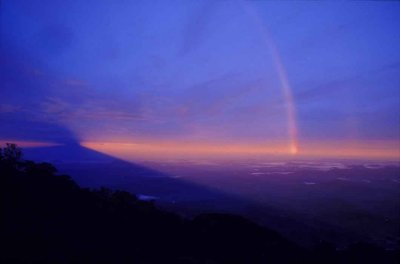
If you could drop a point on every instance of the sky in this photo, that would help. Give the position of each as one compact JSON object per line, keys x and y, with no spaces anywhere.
{"x":257,"y":75}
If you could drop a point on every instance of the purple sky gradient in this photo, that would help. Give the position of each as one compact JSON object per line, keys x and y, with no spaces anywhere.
{"x":197,"y":70}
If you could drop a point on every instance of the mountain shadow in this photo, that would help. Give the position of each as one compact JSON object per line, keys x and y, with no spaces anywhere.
{"x":93,"y":169}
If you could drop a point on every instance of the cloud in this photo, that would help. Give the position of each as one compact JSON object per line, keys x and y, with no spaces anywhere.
{"x":54,"y":38}
{"x":195,"y":30}
{"x":8,"y":108}
{"x":90,"y":109}
{"x":336,"y":86}
{"x":322,"y":90}
{"x":75,"y":82}
{"x":16,"y":126}
{"x":222,"y":93}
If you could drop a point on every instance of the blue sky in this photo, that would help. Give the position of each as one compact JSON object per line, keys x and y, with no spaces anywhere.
{"x":198,"y":70}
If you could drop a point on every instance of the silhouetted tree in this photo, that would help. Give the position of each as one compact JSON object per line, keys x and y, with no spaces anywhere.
{"x":12,"y":153}
{"x":43,"y":168}
{"x":11,"y":156}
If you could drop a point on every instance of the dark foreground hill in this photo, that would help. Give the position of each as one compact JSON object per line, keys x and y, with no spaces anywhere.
{"x":48,"y":218}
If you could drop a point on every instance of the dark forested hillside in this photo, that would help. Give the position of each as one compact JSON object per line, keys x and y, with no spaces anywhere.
{"x":48,"y":218}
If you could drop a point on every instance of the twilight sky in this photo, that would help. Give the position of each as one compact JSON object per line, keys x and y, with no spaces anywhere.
{"x":248,"y":72}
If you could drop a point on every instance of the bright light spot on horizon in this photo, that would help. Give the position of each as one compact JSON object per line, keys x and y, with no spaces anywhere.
{"x":294,"y":149}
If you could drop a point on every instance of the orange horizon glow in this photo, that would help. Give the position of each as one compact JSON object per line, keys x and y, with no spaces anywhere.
{"x":159,"y":150}
{"x":165,"y":150}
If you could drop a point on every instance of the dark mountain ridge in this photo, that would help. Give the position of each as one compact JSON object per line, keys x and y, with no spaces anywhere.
{"x":48,"y":218}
